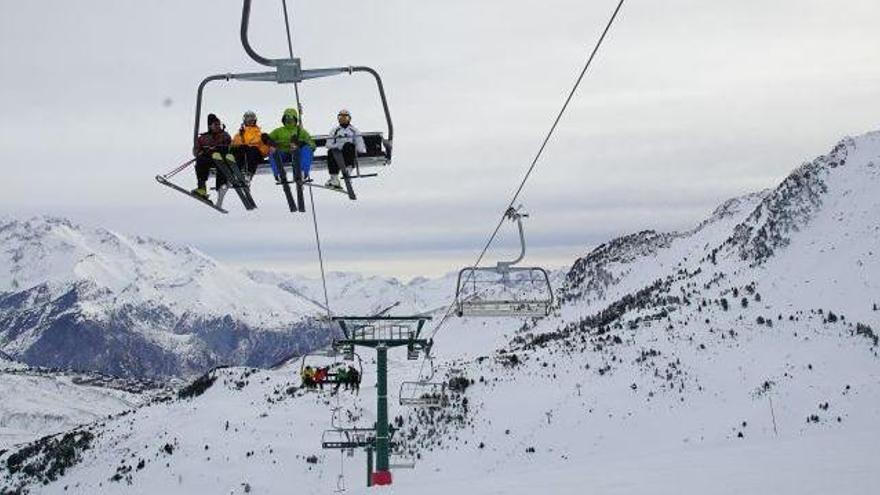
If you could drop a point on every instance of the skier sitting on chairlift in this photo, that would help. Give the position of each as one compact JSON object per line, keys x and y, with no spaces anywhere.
{"x":288,"y":143}
{"x":347,"y":139}
{"x":341,"y":378}
{"x":247,"y":145}
{"x":209,"y":147}
{"x":354,"y":379}
{"x":308,"y":377}
{"x":321,"y":376}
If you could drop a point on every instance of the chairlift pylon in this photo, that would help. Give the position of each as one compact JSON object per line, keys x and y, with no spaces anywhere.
{"x":504,"y":289}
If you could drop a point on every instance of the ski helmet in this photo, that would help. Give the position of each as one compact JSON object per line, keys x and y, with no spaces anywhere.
{"x":249,"y":115}
{"x":345,"y":112}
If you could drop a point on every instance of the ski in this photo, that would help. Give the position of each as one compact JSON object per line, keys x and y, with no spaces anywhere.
{"x":298,"y":179}
{"x":206,"y":202}
{"x":346,"y":177}
{"x":285,"y":185}
{"x":242,"y":183}
{"x":227,"y":170}
{"x":328,"y":188}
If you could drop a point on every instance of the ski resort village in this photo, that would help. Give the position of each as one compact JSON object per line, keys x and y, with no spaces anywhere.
{"x":289,"y":247}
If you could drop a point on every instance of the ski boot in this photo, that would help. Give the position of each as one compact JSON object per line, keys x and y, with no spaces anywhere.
{"x":334,"y":183}
{"x":201,"y":193}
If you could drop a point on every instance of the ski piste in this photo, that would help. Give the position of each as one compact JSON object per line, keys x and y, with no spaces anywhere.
{"x":234,"y":177}
{"x":206,"y":202}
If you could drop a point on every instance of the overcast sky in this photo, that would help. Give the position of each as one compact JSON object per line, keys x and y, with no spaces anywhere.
{"x":689,"y":103}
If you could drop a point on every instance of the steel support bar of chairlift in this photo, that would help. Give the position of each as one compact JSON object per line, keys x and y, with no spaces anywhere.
{"x":289,"y":70}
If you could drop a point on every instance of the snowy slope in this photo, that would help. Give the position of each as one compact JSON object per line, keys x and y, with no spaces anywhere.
{"x":38,"y":402}
{"x":7,"y":363}
{"x":738,"y":357}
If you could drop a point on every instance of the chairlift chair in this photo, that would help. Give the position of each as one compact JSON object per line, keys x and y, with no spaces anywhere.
{"x":290,"y":71}
{"x":347,"y":438}
{"x":424,"y":392}
{"x":309,"y":359}
{"x":505,"y":290}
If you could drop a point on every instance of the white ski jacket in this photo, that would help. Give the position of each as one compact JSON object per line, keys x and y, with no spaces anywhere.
{"x":340,"y":135}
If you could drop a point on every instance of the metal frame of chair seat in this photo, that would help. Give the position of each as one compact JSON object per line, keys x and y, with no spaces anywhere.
{"x":348,"y":438}
{"x":423,"y":394}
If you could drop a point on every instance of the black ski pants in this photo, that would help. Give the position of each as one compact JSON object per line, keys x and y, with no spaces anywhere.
{"x":348,"y":154}
{"x":247,"y":158}
{"x":204,"y":164}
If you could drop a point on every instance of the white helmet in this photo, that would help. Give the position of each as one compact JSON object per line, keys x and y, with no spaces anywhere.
{"x":344,"y":111}
{"x":249,"y":115}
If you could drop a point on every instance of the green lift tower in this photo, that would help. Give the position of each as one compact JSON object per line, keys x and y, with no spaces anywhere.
{"x":380,"y":333}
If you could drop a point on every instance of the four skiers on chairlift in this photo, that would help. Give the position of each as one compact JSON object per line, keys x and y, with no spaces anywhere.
{"x":290,"y":143}
{"x":316,"y":377}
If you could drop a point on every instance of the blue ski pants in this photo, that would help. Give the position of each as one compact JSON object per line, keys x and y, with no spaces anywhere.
{"x":304,"y":158}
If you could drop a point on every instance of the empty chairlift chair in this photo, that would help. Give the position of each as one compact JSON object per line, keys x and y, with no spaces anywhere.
{"x":424,"y":392}
{"x":505,"y":290}
{"x":348,"y":438}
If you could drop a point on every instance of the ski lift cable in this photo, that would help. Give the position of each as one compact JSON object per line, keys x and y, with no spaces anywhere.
{"x":311,"y":194}
{"x":290,"y":50}
{"x":540,"y":152}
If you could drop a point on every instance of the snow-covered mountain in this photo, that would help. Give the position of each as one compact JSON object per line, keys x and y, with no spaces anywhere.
{"x":738,"y":357}
{"x":356,"y":294}
{"x":92,"y":299}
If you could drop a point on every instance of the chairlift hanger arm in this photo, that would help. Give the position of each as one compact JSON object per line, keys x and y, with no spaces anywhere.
{"x":294,"y":64}
{"x":522,"y":243}
{"x":245,"y":22}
